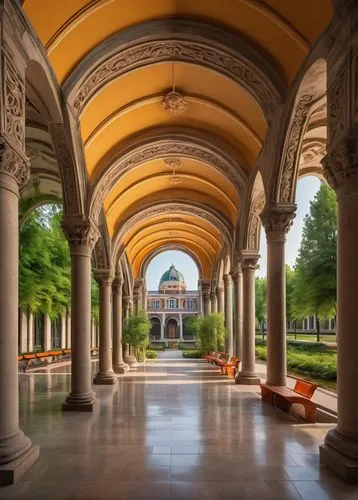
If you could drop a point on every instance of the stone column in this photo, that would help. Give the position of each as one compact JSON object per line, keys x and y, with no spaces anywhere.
{"x":63,"y":331}
{"x":340,"y":451}
{"x":105,"y":375}
{"x":68,"y":330}
{"x":220,"y":296}
{"x":47,"y":333}
{"x":162,"y":328}
{"x":16,"y":451}
{"x":82,"y":236}
{"x":119,"y":366}
{"x":277,"y":220}
{"x":23,"y":332}
{"x":247,"y":375}
{"x":180,"y":327}
{"x":127,"y":356}
{"x":214,"y":302}
{"x":30,"y":331}
{"x":205,"y":291}
{"x":93,"y":333}
{"x":237,"y":278}
{"x":228,"y":313}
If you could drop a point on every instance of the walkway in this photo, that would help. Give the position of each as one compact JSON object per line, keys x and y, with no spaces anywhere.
{"x":170,"y":354}
{"x":173,"y":429}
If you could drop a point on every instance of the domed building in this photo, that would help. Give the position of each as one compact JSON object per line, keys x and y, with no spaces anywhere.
{"x":168,"y":307}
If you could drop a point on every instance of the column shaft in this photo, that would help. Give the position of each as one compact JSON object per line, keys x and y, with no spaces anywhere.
{"x":220,"y":296}
{"x":47,"y":333}
{"x":119,"y":366}
{"x":105,"y":374}
{"x":228,"y":313}
{"x":30,"y":332}
{"x":238,"y":311}
{"x":214,"y":303}
{"x":247,"y":375}
{"x":23,"y":332}
{"x":82,"y":237}
{"x":63,"y":331}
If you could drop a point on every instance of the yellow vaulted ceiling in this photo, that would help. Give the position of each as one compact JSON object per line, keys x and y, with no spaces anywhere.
{"x":283,"y":29}
{"x":129,"y":107}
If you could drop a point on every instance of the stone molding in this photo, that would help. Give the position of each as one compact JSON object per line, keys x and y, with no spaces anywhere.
{"x":163,"y":148}
{"x":288,"y":170}
{"x":277,"y":220}
{"x":13,"y":164}
{"x":81,"y":234}
{"x":180,"y":40}
{"x":341,"y":164}
{"x":249,"y":261}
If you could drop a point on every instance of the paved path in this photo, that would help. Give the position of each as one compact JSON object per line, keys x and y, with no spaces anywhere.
{"x":170,"y":354}
{"x":170,"y":429}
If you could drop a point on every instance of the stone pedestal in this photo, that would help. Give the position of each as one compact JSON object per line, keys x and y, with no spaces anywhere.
{"x":82,"y":237}
{"x":340,"y":450}
{"x":277,"y":220}
{"x":17,"y":453}
{"x":247,"y":375}
{"x":119,"y":366}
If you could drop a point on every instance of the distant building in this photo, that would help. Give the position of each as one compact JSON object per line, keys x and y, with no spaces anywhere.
{"x":168,"y":307}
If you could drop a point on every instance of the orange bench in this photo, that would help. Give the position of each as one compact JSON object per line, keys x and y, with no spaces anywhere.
{"x":283,"y":397}
{"x":229,"y":368}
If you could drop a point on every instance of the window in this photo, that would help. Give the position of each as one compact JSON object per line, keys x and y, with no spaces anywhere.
{"x":155,"y":304}
{"x":172,"y":304}
{"x":190,"y":304}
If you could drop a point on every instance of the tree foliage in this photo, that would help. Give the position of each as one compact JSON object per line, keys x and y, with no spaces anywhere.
{"x":261,"y":302}
{"x":44,"y":267}
{"x":136,"y":331}
{"x":211,"y":332}
{"x":314,"y":291}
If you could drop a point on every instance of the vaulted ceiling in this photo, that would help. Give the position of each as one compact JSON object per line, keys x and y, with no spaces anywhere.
{"x":125,"y":113}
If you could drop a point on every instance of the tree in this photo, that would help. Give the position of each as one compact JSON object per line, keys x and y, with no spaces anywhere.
{"x":314,"y":289}
{"x":261,"y":303}
{"x":192,"y":325}
{"x":291,"y":311}
{"x":212,"y":332}
{"x":136,"y":332}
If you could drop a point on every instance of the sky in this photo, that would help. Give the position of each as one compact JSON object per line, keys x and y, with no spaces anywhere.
{"x":306,"y":190}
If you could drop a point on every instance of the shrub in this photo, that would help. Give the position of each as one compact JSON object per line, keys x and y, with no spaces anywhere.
{"x":136,"y":333}
{"x":151,"y":354}
{"x":192,"y":354}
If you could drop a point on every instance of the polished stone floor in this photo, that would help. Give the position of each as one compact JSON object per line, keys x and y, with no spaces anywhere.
{"x":170,"y":429}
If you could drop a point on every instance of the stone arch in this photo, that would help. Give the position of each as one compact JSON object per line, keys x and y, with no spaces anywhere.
{"x":249,"y":238}
{"x":176,"y":206}
{"x":309,"y":99}
{"x":161,"y":144}
{"x":150,"y":257}
{"x":101,"y":255}
{"x":166,"y":40}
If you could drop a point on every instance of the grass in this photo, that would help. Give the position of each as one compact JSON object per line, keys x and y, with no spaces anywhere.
{"x":310,"y":337}
{"x":315,"y":362}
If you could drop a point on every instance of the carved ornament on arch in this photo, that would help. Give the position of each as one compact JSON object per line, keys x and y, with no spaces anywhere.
{"x":256,"y":208}
{"x":341,"y":163}
{"x":13,"y":164}
{"x":297,"y":128}
{"x":337,"y":103}
{"x":162,"y":150}
{"x":215,"y":56}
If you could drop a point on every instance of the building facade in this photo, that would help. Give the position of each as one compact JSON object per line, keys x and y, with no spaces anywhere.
{"x":169,"y":306}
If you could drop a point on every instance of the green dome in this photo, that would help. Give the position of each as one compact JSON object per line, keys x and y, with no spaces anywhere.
{"x":172,"y":275}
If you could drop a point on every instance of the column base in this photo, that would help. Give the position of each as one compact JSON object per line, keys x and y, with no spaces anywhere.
{"x":340,"y":455}
{"x":105,"y":379}
{"x":121,"y":368}
{"x":245,"y":378}
{"x":80,"y":402}
{"x":12,"y":471}
{"x":131,"y":360}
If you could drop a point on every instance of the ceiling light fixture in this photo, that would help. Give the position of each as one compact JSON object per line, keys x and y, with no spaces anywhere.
{"x":173,"y":102}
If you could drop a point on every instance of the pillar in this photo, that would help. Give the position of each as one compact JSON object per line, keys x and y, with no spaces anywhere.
{"x":68,"y":330}
{"x":93,"y":333}
{"x":205,"y":292}
{"x":220,"y":297}
{"x":47,"y":333}
{"x":340,"y":450}
{"x":105,"y":375}
{"x":228,"y":313}
{"x":82,"y":236}
{"x":119,"y":366}
{"x":23,"y":332}
{"x":30,"y":331}
{"x":237,"y":279}
{"x":247,"y":375}
{"x":180,"y":327}
{"x":63,"y":331}
{"x":17,"y":453}
{"x":162,"y":328}
{"x":214,"y":302}
{"x":277,"y":220}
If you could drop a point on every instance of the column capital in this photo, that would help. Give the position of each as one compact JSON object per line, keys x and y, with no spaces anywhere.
{"x":341,"y":165}
{"x":126,"y":300}
{"x":205,"y":287}
{"x":81,"y":233}
{"x":277,"y":220}
{"x":227,"y":279}
{"x":14,"y":164}
{"x":249,"y":260}
{"x":213,"y":295}
{"x":236,"y":271}
{"x":104,"y":277}
{"x":118,"y":284}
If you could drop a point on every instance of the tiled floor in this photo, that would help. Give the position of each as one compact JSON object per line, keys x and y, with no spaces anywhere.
{"x":172,"y":429}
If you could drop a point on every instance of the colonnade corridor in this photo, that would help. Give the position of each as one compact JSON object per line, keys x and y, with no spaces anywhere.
{"x":171,"y":428}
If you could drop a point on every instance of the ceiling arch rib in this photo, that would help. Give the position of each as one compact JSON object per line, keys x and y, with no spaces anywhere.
{"x":160,"y":145}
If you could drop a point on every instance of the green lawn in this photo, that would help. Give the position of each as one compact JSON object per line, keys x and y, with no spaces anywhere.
{"x":305,"y":337}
